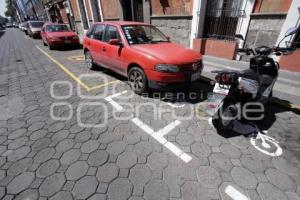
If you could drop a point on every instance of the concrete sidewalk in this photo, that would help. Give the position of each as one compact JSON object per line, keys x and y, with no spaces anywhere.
{"x":286,"y":88}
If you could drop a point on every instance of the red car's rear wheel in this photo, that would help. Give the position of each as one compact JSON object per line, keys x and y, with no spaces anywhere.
{"x":89,"y":60}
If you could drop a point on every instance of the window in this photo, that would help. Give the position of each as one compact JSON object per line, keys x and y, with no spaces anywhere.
{"x":36,"y":24}
{"x":57,"y":28}
{"x":143,"y":34}
{"x":221,"y":18}
{"x":98,"y":32}
{"x":111,"y":33}
{"x":83,"y":14}
{"x":95,"y":9}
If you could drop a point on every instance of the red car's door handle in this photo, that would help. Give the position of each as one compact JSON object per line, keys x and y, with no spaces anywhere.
{"x":88,"y":43}
{"x":103,"y":49}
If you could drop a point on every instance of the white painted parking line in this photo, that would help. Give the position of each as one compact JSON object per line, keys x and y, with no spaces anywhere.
{"x":159,"y":137}
{"x":235,"y":194}
{"x":118,"y":94}
{"x":113,"y":103}
{"x":168,"y":128}
{"x":176,"y":105}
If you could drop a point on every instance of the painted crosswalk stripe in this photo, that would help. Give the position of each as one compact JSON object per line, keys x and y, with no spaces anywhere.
{"x":235,"y":194}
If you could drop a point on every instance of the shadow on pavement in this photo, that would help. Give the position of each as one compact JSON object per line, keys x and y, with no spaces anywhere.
{"x":69,"y":48}
{"x":191,"y":93}
{"x":251,"y":128}
{"x":2,"y":32}
{"x":109,"y":73}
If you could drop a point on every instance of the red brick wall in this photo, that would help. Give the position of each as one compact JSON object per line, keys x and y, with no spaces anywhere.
{"x":218,"y":48}
{"x":75,"y":10}
{"x":110,"y":8}
{"x":291,"y":62}
{"x":171,"y":7}
{"x":272,"y":5}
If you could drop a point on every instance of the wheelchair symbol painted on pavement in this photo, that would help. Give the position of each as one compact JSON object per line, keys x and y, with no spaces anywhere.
{"x":266,"y":144}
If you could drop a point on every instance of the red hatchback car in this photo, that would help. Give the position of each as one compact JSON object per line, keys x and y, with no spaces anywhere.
{"x":57,"y":35}
{"x":142,"y":53}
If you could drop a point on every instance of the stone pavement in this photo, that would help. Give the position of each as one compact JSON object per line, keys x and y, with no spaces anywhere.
{"x":50,"y":149}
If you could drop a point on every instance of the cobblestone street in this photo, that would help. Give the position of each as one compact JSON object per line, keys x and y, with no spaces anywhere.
{"x":67,"y":132}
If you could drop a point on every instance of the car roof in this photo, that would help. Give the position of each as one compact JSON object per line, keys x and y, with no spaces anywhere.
{"x":34,"y":21}
{"x":54,"y":23}
{"x":121,"y":23}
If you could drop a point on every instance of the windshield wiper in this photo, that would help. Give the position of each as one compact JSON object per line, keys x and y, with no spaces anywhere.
{"x":156,"y":41}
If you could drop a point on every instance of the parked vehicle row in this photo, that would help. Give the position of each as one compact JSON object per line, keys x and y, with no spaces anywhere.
{"x":52,"y":34}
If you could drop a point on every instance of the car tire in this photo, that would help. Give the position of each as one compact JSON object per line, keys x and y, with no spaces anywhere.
{"x":229,"y":109}
{"x":50,"y":47}
{"x":138,"y":80}
{"x":89,"y":60}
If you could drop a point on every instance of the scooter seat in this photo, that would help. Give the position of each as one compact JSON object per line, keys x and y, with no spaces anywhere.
{"x":250,"y":74}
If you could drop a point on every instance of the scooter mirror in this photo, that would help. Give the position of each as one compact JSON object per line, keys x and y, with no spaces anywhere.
{"x":291,"y":31}
{"x":239,"y":36}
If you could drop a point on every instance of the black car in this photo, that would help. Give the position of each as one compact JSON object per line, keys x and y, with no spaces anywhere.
{"x":2,"y":27}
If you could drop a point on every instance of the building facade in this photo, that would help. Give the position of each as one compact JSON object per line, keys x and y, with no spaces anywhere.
{"x":173,"y":17}
{"x":208,"y":26}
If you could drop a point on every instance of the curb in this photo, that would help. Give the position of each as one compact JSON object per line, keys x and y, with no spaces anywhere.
{"x":274,"y":100}
{"x":285,"y":104}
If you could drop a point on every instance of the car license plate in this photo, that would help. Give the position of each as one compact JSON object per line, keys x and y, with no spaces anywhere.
{"x":213,"y":102}
{"x":224,"y":89}
{"x":67,"y":41}
{"x":195,"y":76}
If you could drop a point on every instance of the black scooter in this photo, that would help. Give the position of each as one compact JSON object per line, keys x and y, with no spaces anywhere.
{"x":236,"y":92}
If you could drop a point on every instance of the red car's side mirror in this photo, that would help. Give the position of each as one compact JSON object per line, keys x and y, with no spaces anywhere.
{"x":115,"y":42}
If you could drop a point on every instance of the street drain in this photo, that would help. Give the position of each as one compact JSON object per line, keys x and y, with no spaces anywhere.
{"x":19,"y":60}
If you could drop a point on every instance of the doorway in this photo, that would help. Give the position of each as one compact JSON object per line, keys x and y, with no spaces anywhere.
{"x":132,"y":10}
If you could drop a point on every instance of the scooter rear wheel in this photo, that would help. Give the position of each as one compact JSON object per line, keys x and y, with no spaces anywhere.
{"x":226,"y":116}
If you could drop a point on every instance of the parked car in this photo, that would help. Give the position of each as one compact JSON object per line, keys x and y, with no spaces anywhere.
{"x":9,"y":25}
{"x":142,"y":53}
{"x":57,"y":35}
{"x":25,"y":27}
{"x":34,"y":28}
{"x":15,"y":24}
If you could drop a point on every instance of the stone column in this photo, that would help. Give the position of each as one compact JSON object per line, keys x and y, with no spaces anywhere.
{"x":199,"y":8}
{"x":146,"y":11}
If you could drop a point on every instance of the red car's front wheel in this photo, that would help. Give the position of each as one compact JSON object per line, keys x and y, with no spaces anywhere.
{"x":137,"y":80}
